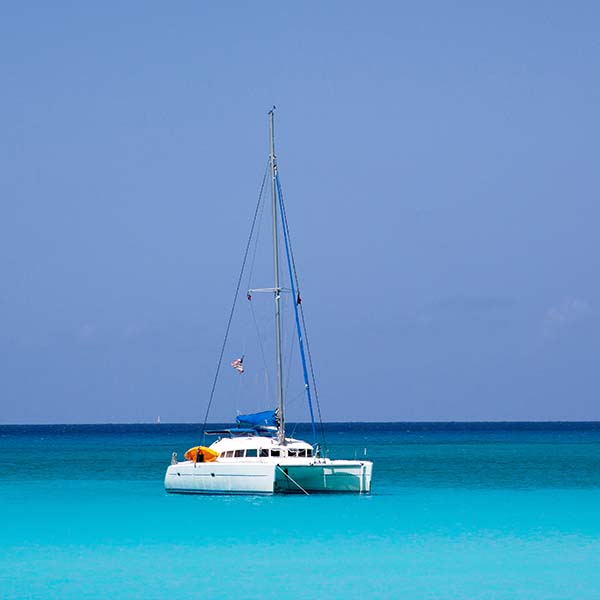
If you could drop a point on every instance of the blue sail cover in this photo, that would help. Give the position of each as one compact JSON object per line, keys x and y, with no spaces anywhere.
{"x":261,"y":419}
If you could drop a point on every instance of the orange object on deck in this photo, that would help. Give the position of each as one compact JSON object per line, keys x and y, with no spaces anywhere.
{"x":207,"y":455}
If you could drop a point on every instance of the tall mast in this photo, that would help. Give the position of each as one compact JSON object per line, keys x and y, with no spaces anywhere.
{"x":277,"y":290}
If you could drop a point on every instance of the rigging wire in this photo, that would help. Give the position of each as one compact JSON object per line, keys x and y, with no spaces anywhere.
{"x":235,"y":297}
{"x":262,"y":349}
{"x":288,"y":363}
{"x":299,"y":303}
{"x":256,"y":238}
{"x":314,"y":381}
{"x":298,"y":326}
{"x":294,"y":402}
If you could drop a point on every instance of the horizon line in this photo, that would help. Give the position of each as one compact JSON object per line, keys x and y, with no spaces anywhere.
{"x":503,"y":421}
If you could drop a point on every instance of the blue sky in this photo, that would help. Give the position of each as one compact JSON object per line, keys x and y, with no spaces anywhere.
{"x":440,"y":170}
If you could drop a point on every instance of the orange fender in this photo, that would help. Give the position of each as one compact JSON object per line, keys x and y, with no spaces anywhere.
{"x":208,"y":454}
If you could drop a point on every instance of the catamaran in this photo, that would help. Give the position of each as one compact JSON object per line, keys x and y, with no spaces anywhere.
{"x":256,"y":456}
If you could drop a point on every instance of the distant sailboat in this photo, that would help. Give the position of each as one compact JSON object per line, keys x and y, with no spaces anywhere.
{"x":256,"y":456}
{"x":158,"y":420}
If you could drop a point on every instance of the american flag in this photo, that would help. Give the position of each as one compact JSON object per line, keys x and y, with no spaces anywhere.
{"x":238,"y":365}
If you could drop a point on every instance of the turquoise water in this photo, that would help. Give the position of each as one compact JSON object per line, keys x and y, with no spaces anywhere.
{"x":457,"y":511}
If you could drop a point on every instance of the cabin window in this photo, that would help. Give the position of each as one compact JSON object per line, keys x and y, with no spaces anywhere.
{"x":292,"y":452}
{"x":251,"y":452}
{"x":309,"y":452}
{"x":302,"y":453}
{"x":264,"y":452}
{"x":239,"y":453}
{"x":275,"y":452}
{"x":229,"y":454}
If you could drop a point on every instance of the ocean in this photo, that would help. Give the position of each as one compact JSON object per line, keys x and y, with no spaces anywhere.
{"x":458,"y":510}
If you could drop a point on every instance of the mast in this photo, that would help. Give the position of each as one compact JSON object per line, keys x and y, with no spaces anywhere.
{"x":277,"y":290}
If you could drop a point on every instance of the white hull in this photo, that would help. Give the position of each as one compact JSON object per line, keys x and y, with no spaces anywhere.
{"x":269,"y":477}
{"x":219,"y":478}
{"x":331,"y":476}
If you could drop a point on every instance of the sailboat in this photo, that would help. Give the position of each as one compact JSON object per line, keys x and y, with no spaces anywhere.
{"x":257,"y":456}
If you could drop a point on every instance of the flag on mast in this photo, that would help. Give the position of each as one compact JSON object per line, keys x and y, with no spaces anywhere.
{"x":238,"y":365}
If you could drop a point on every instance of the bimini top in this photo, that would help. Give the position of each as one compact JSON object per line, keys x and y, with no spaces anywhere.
{"x":233,"y":431}
{"x":262,"y":423}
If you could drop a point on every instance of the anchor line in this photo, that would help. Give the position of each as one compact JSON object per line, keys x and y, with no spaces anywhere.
{"x":292,"y":480}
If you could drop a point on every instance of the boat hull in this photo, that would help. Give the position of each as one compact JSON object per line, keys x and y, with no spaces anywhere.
{"x":334,"y":476}
{"x":219,"y":478}
{"x":268,"y":477}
